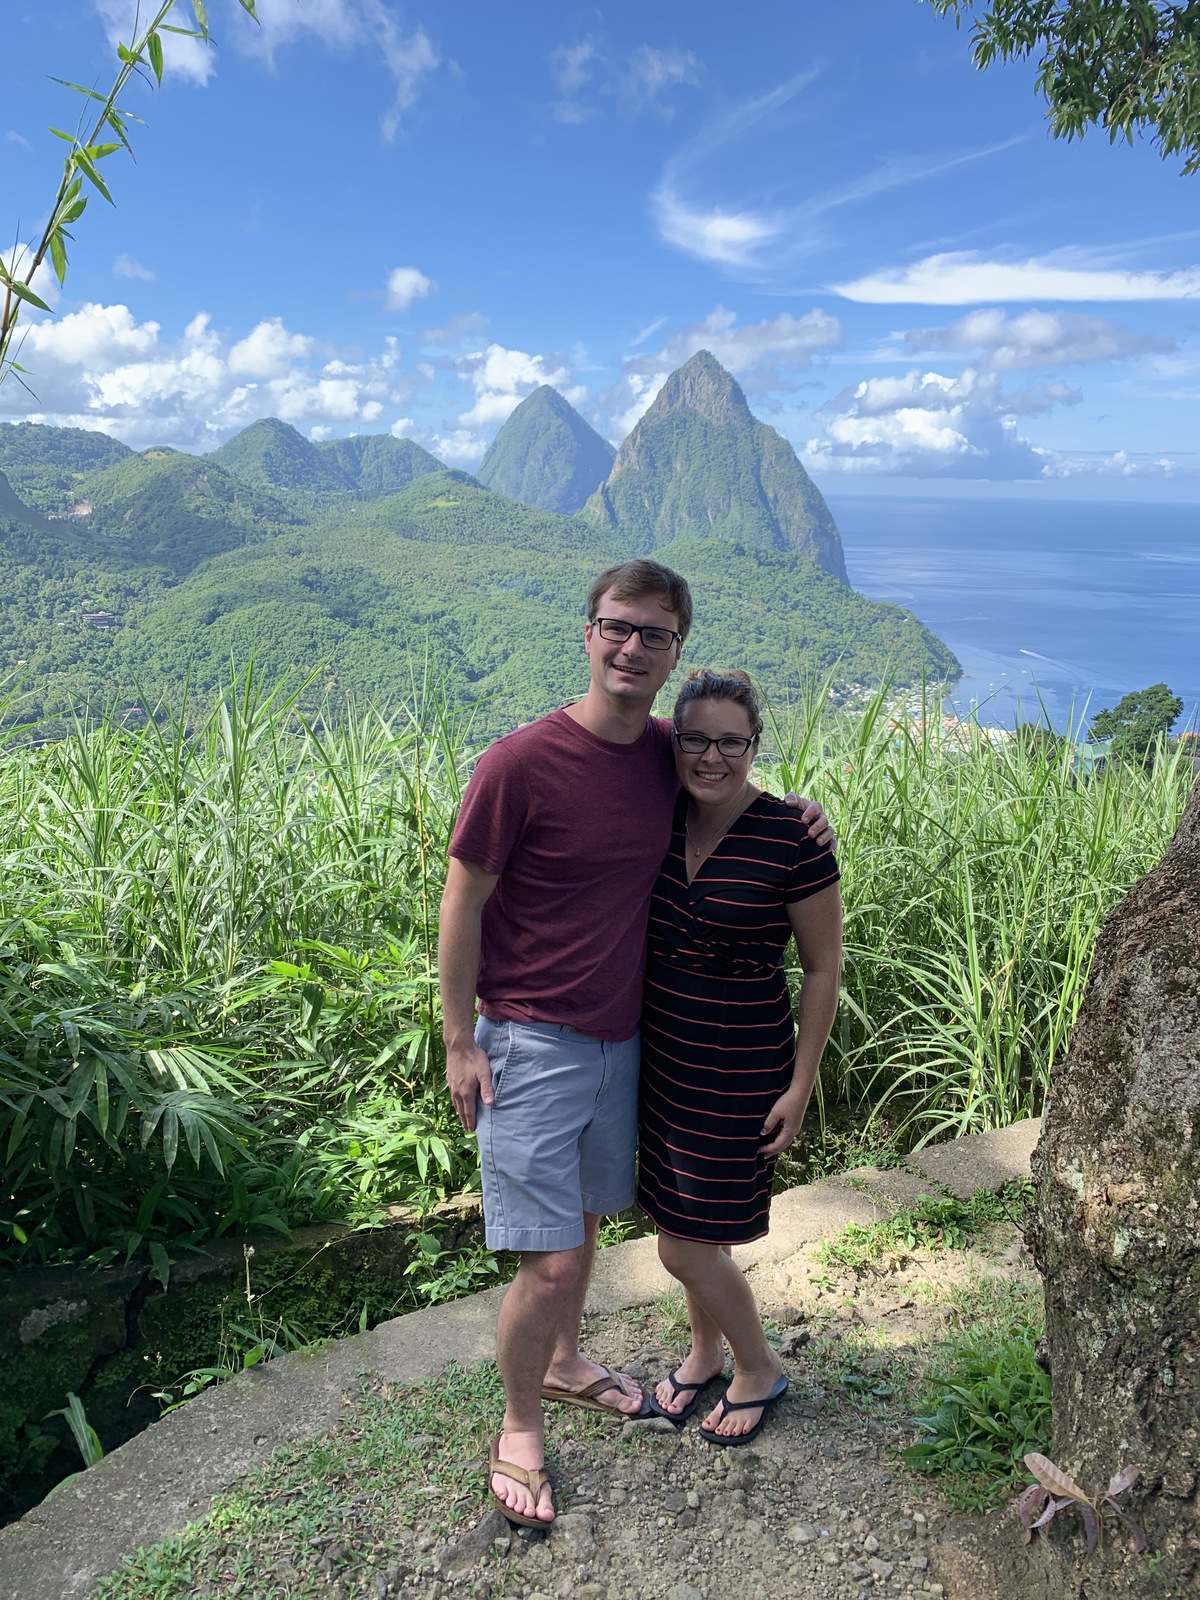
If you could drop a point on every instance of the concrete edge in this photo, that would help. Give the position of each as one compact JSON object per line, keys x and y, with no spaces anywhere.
{"x":168,"y":1476}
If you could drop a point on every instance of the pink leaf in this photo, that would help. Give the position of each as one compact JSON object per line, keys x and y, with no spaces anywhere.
{"x":1125,"y":1479}
{"x":1089,"y":1526}
{"x":1054,"y":1478}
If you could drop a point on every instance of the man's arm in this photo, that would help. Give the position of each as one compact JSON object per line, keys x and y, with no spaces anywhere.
{"x":468,"y":1072}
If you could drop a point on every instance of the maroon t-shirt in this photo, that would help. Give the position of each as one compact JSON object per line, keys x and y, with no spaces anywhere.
{"x":577,"y":829}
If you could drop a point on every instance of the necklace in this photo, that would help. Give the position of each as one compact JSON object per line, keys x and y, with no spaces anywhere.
{"x":726,"y":823}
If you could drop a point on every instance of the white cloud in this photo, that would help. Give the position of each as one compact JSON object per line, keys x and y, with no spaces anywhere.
{"x":1120,"y":464}
{"x":401,"y":428}
{"x":1036,"y":339}
{"x":764,"y":352}
{"x":18,"y":138}
{"x":99,"y":367}
{"x":341,"y":25}
{"x":406,"y":284}
{"x":589,"y":71}
{"x":926,"y":424}
{"x":268,"y":351}
{"x":501,"y":379}
{"x":125,"y":266}
{"x":728,"y":238}
{"x":964,"y":278}
{"x":459,"y":444}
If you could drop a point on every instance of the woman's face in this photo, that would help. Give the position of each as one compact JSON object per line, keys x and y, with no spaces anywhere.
{"x":714,"y":778}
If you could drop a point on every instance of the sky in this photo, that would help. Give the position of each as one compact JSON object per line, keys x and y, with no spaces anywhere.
{"x":363,"y":216}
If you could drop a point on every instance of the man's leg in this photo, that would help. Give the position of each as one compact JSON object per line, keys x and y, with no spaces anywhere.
{"x":525,"y":1338}
{"x":569,"y":1368}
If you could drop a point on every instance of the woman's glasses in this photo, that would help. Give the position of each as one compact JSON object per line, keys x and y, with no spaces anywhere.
{"x":696,"y":744}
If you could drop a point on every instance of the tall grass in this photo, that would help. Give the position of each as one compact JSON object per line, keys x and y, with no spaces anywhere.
{"x":977,"y":871}
{"x":217,"y":950}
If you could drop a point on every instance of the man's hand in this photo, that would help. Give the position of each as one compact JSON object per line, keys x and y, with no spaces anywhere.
{"x":469,"y":1078}
{"x":819,"y":830}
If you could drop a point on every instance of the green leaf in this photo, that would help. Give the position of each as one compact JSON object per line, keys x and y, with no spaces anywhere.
{"x":161,"y":1263}
{"x":23,"y":292}
{"x":201,"y":15}
{"x":154,"y":45}
{"x":79,"y":89}
{"x":97,"y":152}
{"x":59,"y":134}
{"x":127,"y":55}
{"x":249,"y":7}
{"x":85,"y":166}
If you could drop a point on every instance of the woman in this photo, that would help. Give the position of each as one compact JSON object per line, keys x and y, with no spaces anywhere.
{"x":726,"y":1073}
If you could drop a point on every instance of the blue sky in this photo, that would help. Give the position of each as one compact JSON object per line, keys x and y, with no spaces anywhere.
{"x":365,"y":217}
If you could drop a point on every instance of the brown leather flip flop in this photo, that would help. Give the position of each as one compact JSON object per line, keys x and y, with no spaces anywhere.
{"x":588,"y":1398}
{"x":534,"y":1479}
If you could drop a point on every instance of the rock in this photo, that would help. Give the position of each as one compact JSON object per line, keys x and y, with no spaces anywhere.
{"x":675,"y":1501}
{"x":920,"y":1562}
{"x":650,"y":1425}
{"x":871,"y":1545}
{"x":794,"y":1341}
{"x":468,"y":1549}
{"x":789,"y":1316}
{"x":693,"y":1500}
{"x":881,"y":1569}
{"x":684,"y":1591}
{"x":803,"y":1533}
{"x":575,"y":1531}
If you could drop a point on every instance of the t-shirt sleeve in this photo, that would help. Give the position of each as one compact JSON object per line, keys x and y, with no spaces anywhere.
{"x":496,"y":811}
{"x":813,"y":869}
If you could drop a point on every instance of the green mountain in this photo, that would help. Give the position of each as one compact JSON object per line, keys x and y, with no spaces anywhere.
{"x":699,"y":463}
{"x":271,"y":455}
{"x":178,"y":567}
{"x":44,"y":465}
{"x":546,"y":455}
{"x":375,"y":463}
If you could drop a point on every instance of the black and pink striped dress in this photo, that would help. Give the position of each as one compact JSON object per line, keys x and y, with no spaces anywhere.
{"x":718,"y":1035}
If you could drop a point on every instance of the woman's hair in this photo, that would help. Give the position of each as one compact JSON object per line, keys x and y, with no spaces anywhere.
{"x":704,"y":684}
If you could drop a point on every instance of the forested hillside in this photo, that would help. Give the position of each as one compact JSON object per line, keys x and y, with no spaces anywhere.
{"x":360,"y":562}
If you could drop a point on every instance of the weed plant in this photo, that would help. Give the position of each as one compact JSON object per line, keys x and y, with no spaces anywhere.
{"x":218,"y":1008}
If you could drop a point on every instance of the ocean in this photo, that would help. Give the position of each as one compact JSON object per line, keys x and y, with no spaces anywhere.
{"x":1054,"y":609}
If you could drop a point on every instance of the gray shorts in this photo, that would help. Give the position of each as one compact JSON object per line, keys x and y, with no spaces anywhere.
{"x":561,"y":1135}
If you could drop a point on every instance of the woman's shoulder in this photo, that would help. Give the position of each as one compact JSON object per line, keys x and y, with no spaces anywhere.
{"x":769,"y":807}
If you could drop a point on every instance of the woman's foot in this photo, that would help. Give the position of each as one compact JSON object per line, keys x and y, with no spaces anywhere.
{"x":527,"y":1451}
{"x":696,"y":1369}
{"x":747,"y":1385}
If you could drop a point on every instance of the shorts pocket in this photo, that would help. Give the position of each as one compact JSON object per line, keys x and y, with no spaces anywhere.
{"x":498,"y":1043}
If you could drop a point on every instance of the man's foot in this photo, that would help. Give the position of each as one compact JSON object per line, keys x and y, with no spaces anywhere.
{"x":526,"y":1499}
{"x":595,"y":1388}
{"x":740,"y":1412}
{"x":678,"y":1395}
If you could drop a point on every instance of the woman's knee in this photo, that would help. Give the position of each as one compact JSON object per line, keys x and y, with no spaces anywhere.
{"x":685,"y":1258}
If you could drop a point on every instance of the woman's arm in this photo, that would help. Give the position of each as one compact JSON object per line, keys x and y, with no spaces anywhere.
{"x":817,"y":926}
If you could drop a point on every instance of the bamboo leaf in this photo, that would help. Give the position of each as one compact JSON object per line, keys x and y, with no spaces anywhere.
{"x":170,"y":1136}
{"x":83,"y":162}
{"x":24,"y":292}
{"x":79,"y":89}
{"x":154,"y":45}
{"x":201,"y":14}
{"x":127,"y":55}
{"x":161,"y":1263}
{"x":97,"y":152}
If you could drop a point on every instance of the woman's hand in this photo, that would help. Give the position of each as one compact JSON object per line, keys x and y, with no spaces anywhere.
{"x":782,"y":1122}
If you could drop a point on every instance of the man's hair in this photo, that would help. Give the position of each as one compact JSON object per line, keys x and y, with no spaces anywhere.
{"x":704,"y":684}
{"x":633,"y":579}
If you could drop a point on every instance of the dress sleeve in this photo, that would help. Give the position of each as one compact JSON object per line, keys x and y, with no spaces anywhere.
{"x":497,"y":811}
{"x":814,"y":867}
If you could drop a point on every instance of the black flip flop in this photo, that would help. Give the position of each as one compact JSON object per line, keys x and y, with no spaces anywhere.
{"x":733,"y":1440}
{"x":681,"y":1416}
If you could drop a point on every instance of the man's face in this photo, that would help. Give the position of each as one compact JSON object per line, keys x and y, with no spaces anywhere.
{"x":628,"y":672}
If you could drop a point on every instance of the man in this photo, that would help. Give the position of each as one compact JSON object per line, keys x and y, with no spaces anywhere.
{"x":562,"y":830}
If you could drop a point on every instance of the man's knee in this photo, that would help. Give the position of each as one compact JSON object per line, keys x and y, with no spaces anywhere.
{"x":551,"y":1272}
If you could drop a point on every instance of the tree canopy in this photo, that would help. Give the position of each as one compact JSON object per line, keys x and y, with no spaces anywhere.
{"x":1138,"y":721}
{"x":1121,"y":65}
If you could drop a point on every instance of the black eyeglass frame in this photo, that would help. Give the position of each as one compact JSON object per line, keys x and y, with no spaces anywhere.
{"x":679,"y":735}
{"x":641,"y":631}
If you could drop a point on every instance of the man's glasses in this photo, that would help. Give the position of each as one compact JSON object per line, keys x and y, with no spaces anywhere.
{"x":696,"y":744}
{"x":616,"y":632}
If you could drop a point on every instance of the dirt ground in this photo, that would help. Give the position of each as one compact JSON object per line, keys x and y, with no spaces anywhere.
{"x":818,"y":1507}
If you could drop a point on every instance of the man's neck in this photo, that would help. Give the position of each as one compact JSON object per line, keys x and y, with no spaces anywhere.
{"x":622,"y":722}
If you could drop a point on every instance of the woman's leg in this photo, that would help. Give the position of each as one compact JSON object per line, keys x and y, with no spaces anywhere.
{"x":720,"y":1302}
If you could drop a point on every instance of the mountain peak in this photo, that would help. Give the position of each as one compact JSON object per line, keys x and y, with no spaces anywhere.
{"x":700,"y":463}
{"x":546,"y":455}
{"x":703,"y":385}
